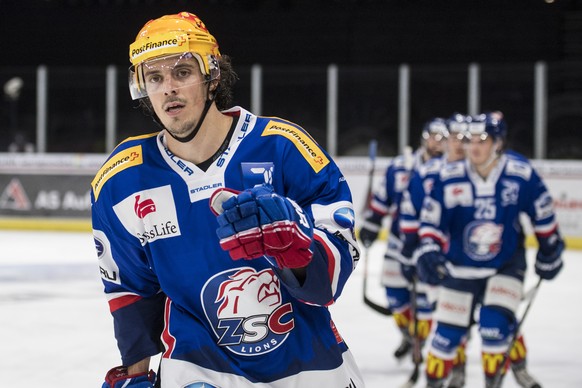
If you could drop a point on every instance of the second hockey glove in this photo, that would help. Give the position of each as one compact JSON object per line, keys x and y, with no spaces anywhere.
{"x":407,"y":264}
{"x":370,"y":228}
{"x":408,"y":271}
{"x":118,"y":378}
{"x":259,"y":222}
{"x":430,"y":264}
{"x":548,"y":264}
{"x":368,"y":236}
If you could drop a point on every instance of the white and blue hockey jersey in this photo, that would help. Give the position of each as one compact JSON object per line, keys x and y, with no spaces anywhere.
{"x":387,"y":198}
{"x":420,"y":184}
{"x":223,"y":322}
{"x":476,"y":220}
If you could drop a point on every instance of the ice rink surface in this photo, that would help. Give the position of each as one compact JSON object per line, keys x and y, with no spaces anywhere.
{"x":56,"y":331}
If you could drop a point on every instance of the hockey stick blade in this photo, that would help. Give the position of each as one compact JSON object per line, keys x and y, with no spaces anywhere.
{"x":367,"y":301}
{"x":413,"y":377}
{"x":376,"y":307}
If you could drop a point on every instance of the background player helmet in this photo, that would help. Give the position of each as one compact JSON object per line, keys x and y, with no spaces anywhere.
{"x":488,"y":124}
{"x":436,"y":127}
{"x":457,"y":125}
{"x":182,"y":35}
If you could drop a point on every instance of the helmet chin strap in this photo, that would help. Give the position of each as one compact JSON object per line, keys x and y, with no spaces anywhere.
{"x":194,"y":132}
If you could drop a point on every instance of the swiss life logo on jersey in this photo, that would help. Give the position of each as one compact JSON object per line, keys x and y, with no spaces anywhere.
{"x":149,"y":215}
{"x":458,"y":194}
{"x":246,"y":310}
{"x":144,"y":207}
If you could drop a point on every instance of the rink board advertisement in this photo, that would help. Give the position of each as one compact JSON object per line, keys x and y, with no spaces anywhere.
{"x":46,"y":191}
{"x":45,"y":195}
{"x":52,"y":190}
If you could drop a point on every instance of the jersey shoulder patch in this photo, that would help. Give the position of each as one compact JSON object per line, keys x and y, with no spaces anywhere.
{"x":304,"y":143}
{"x":433,"y":166}
{"x":399,"y":162}
{"x":518,"y":168}
{"x":127,"y":154}
{"x":452,"y":170}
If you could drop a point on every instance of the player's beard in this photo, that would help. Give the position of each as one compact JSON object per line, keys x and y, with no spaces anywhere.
{"x":435,"y":152}
{"x":181,"y":129}
{"x":182,"y":126}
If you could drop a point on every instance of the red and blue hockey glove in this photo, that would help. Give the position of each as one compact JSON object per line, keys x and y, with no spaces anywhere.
{"x":118,"y":378}
{"x":549,"y":262}
{"x":430,"y":264}
{"x":258,"y":222}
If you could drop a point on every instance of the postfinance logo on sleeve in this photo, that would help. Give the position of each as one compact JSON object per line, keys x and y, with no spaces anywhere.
{"x":304,"y":143}
{"x":117,"y":163}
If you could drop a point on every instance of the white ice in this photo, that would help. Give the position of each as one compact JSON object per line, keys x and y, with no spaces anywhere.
{"x":56,"y":331}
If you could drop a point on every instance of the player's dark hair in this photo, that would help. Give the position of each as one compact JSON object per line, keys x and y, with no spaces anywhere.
{"x":228,"y":78}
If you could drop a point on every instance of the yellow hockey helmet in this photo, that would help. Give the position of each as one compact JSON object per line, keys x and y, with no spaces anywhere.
{"x":172,"y":35}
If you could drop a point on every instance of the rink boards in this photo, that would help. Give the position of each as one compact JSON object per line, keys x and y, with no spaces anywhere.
{"x":51,"y":191}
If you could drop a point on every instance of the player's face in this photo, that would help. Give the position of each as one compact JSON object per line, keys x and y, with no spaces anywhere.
{"x":177,"y":91}
{"x":480,"y":149}
{"x":456,"y":146}
{"x":434,"y":145}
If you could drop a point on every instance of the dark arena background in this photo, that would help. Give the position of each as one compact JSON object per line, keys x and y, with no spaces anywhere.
{"x":294,"y":42}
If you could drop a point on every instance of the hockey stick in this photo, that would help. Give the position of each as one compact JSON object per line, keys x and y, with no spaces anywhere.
{"x":367,"y":301}
{"x":529,"y":293}
{"x":416,"y":350}
{"x":498,"y":378}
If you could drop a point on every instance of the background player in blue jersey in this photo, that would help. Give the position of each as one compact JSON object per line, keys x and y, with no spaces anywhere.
{"x":385,"y":201}
{"x":472,"y":244}
{"x":223,"y":238}
{"x":421,"y":183}
{"x":422,"y":179}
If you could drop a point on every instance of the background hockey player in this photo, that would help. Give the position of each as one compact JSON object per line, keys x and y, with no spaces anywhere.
{"x":421,"y":182}
{"x":385,"y":201}
{"x":472,"y":244}
{"x":422,"y":179}
{"x":518,"y":354}
{"x":224,"y":236}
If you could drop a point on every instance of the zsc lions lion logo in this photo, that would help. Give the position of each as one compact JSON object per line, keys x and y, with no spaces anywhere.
{"x":245,"y":310}
{"x":482,"y":240}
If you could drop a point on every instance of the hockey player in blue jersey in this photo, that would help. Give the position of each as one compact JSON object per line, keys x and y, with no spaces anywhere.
{"x":472,"y":244}
{"x":223,"y":238}
{"x":421,"y":183}
{"x":385,"y":202}
{"x":423,"y":177}
{"x":518,"y":354}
